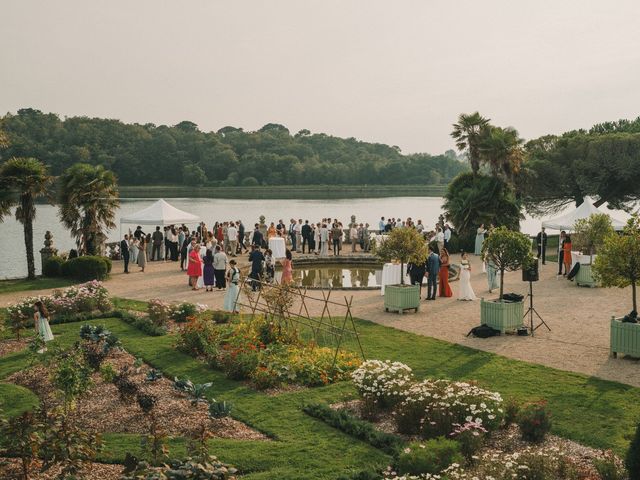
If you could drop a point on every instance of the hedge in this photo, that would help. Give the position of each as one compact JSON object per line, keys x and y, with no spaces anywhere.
{"x":86,"y":268}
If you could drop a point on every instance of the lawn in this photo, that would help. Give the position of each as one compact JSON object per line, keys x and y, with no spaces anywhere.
{"x":38,"y":283}
{"x":586,"y":409}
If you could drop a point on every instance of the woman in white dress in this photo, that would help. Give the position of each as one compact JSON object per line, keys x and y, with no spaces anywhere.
{"x":133,"y":249}
{"x":480,"y":239}
{"x":466,"y":292}
{"x":41,"y":323}
{"x":233,"y":279}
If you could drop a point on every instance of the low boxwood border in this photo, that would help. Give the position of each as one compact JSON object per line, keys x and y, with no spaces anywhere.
{"x":356,"y":427}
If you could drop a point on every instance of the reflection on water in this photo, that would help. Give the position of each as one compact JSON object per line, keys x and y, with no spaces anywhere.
{"x":336,"y":276}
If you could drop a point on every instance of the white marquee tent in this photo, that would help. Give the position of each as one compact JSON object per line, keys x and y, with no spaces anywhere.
{"x":568,"y":220}
{"x":159,"y":213}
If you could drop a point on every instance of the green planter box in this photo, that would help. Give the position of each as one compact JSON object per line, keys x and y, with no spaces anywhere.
{"x":625,"y":338}
{"x":398,"y":298}
{"x":584,"y":278}
{"x":502,"y":316}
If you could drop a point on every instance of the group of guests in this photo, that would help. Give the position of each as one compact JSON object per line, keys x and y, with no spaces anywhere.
{"x":436,"y":270}
{"x":565,"y":246}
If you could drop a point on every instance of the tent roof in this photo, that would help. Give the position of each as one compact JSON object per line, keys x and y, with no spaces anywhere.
{"x":160,"y":213}
{"x":586,"y":208}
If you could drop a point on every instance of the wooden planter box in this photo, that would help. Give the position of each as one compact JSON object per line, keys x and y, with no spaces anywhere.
{"x":584,"y":278}
{"x":625,"y":338}
{"x":501,"y":315}
{"x":398,"y":298}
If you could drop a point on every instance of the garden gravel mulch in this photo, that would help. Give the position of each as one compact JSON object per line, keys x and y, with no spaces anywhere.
{"x":101,"y":410}
{"x":13,"y":345}
{"x":10,"y":469}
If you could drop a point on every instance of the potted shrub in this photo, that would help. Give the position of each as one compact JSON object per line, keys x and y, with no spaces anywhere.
{"x":509,"y":251}
{"x":589,"y":237}
{"x":403,"y":245}
{"x":618,"y":265}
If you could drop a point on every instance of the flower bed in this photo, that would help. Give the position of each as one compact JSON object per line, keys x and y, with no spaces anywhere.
{"x":87,"y":297}
{"x":161,"y":312}
{"x":265,"y":352}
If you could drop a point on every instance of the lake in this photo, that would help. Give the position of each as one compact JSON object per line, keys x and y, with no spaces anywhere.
{"x":13,"y":262}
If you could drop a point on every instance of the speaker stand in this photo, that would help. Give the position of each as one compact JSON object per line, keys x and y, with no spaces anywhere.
{"x":531,"y":310}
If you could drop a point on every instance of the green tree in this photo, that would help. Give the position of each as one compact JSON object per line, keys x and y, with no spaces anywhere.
{"x":501,"y":149}
{"x":473,"y":200}
{"x":403,"y":244}
{"x":22,"y":181}
{"x":591,"y":232}
{"x":193,"y":175}
{"x":508,"y":250}
{"x":467,"y":133}
{"x":618,"y":260}
{"x":88,"y":200}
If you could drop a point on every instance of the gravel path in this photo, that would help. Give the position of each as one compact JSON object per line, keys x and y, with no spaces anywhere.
{"x":579,"y":317}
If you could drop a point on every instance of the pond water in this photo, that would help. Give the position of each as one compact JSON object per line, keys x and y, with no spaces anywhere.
{"x":337,"y":276}
{"x":210,"y":210}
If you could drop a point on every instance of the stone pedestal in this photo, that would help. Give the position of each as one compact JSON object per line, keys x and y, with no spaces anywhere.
{"x":48,"y":251}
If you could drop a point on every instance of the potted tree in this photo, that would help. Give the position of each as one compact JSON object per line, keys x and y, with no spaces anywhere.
{"x":404,"y":245}
{"x":618,"y":265}
{"x":509,"y":251}
{"x":589,"y":236}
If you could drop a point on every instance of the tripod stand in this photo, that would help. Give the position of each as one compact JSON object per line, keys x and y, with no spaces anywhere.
{"x":531,"y":310}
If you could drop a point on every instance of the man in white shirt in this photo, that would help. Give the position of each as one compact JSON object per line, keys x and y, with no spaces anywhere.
{"x":232,"y":232}
{"x":381,"y":225}
{"x":220,"y":267}
{"x":447,"y":236}
{"x":324,"y":240}
{"x":298,"y":229}
{"x":439,"y":238}
{"x":419,"y":226}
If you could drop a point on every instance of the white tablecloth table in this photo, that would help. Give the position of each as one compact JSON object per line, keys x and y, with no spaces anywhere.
{"x":391,"y":275}
{"x":277,"y":246}
{"x":578,"y":257}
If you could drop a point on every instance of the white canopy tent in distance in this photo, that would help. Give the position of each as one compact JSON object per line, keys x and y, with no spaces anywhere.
{"x":584,"y":211}
{"x":159,"y":213}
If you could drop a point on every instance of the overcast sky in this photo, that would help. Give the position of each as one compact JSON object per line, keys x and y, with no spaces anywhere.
{"x":397,"y":72}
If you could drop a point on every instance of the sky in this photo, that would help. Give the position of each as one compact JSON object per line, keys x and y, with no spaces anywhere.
{"x":396,"y":72}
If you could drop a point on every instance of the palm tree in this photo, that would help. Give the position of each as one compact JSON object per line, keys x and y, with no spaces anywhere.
{"x":88,"y":201}
{"x":501,"y":149}
{"x":467,"y":134}
{"x":22,"y":180}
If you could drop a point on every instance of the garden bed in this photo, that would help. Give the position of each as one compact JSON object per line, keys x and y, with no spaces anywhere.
{"x":13,"y":345}
{"x":101,"y":410}
{"x":10,"y":468}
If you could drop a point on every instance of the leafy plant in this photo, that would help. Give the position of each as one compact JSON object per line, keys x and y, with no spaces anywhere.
{"x":618,"y":261}
{"x":403,"y":244}
{"x":198,"y":392}
{"x":219,"y":409}
{"x":590,"y":233}
{"x":153,"y":375}
{"x":146,"y":401}
{"x":100,"y":335}
{"x":127,"y":388}
{"x":108,"y":372}
{"x":432,"y":456}
{"x":22,"y":438}
{"x":71,"y":375}
{"x":534,"y":421}
{"x":154,"y":445}
{"x":184,"y":385}
{"x":609,"y":467}
{"x":508,"y":250}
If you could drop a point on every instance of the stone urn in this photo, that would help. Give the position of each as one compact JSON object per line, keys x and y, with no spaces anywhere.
{"x":48,"y":251}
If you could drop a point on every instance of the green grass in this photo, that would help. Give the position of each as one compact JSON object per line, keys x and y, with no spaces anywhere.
{"x":15,"y":400}
{"x":128,"y":304}
{"x":596,"y":412}
{"x":39,"y":283}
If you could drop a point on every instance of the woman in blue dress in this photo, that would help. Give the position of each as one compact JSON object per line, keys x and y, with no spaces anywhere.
{"x":480,"y":239}
{"x":231,"y":296}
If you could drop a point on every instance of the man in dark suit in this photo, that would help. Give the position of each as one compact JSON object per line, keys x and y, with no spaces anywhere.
{"x":306,"y":236}
{"x":256,"y":238}
{"x":541,"y":241}
{"x":124,"y":251}
{"x":157,"y":238}
{"x":241,"y":236}
{"x":416,"y":272}
{"x":256,"y":258}
{"x":433,"y":268}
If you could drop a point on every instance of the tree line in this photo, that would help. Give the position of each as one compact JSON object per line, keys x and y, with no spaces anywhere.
{"x":183,"y":154}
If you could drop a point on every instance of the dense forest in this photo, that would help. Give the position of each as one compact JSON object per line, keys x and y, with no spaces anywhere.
{"x":182,"y":154}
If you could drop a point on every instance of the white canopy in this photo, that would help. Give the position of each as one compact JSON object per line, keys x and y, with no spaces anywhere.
{"x":568,"y":220}
{"x":160,"y":213}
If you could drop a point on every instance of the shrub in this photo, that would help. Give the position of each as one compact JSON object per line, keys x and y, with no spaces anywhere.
{"x":199,"y":338}
{"x":181,"y":312}
{"x":52,"y":266}
{"x":71,"y":375}
{"x":470,"y":437}
{"x":108,"y":372}
{"x":159,"y":312}
{"x":86,"y":268}
{"x":383,"y":383}
{"x":153,"y":375}
{"x":221,"y":317}
{"x":511,"y":410}
{"x":534,"y":421}
{"x":432,"y":456}
{"x":219,"y":409}
{"x":126,"y":387}
{"x":146,"y":401}
{"x":610,"y":467}
{"x":361,"y":429}
{"x":22,"y":438}
{"x":201,"y":467}
{"x":632,"y":460}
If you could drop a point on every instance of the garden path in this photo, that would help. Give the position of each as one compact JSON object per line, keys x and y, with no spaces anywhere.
{"x":579,"y":317}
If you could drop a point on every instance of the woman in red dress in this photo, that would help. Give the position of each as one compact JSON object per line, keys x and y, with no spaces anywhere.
{"x":194,"y":268}
{"x":443,"y":274}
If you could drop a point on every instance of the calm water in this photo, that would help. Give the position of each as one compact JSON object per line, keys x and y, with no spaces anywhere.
{"x":335,"y":277}
{"x":13,"y":262}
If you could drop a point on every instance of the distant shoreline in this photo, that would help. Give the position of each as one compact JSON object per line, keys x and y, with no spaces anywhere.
{"x":290,"y":192}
